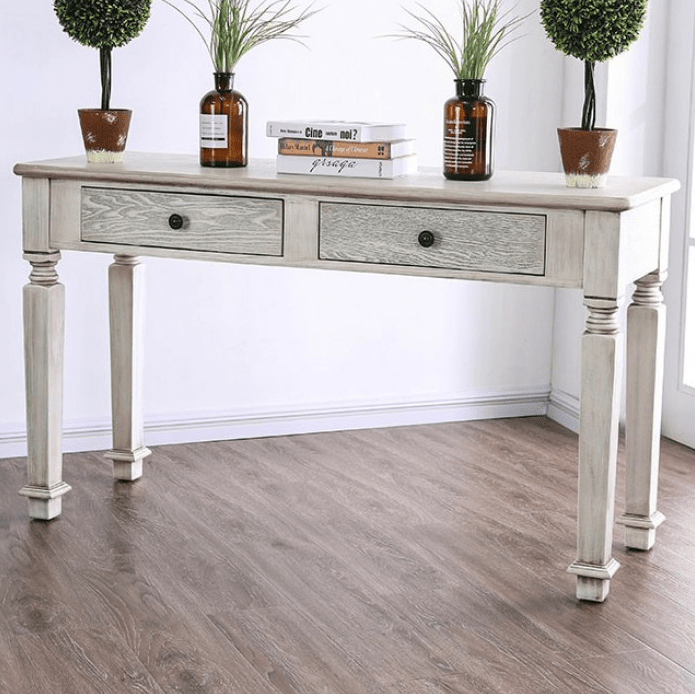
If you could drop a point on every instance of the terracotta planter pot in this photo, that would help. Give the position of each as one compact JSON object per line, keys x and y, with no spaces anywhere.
{"x":104,"y":133}
{"x":586,"y":155}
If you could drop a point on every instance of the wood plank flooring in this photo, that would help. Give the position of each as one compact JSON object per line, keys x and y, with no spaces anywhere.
{"x":413,"y":560}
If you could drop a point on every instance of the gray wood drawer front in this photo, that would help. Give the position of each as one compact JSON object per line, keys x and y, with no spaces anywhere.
{"x":506,"y":242}
{"x":217,"y":223}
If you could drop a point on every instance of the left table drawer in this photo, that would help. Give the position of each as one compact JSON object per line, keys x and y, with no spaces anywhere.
{"x":187,"y":221}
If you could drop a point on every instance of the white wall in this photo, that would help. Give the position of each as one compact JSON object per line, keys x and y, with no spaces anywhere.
{"x":296,"y":349}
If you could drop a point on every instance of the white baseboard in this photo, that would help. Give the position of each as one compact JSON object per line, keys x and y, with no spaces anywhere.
{"x":195,"y":427}
{"x":564,"y":409}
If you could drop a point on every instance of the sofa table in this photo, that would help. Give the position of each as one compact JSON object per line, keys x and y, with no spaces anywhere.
{"x":523,"y":228}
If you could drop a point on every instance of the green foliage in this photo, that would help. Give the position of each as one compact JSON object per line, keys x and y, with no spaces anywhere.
{"x":485,"y":30}
{"x":102,"y":23}
{"x":593,"y":30}
{"x":231,"y":28}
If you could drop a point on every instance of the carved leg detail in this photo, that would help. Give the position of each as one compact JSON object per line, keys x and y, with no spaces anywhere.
{"x":598,"y":447}
{"x":646,"y":324}
{"x":44,"y":329}
{"x":126,"y":299}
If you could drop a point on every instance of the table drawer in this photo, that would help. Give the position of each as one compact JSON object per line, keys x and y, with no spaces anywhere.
{"x":504,"y":242}
{"x":217,"y":223}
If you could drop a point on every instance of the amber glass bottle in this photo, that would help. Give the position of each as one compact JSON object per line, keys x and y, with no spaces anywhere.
{"x":223,"y":125}
{"x":468,"y":133}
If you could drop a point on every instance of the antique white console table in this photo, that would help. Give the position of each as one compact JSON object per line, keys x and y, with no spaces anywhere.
{"x":524,"y":228}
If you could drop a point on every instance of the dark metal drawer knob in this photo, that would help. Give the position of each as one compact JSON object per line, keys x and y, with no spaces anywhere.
{"x":425,"y":239}
{"x":176,"y":221}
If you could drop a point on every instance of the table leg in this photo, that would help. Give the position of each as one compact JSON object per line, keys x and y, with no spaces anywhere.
{"x":44,"y":330}
{"x":598,"y":448}
{"x":646,"y":323}
{"x":126,"y":305}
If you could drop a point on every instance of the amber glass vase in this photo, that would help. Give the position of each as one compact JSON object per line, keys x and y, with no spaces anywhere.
{"x":468,"y":133}
{"x":223,"y":125}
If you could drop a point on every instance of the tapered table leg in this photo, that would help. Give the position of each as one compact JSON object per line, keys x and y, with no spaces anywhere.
{"x":598,"y":447}
{"x":44,"y":330}
{"x":126,"y":305}
{"x":646,"y":324}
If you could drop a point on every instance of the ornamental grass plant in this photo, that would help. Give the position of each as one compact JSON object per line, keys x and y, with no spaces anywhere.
{"x":485,"y":28}
{"x":231,"y":28}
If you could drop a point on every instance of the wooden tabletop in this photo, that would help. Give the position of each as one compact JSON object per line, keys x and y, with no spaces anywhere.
{"x":518,"y":188}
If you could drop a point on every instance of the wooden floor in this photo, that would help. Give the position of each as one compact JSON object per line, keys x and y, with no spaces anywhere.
{"x":418,"y":560}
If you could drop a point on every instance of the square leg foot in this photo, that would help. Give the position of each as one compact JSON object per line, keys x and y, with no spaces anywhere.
{"x":592,"y":589}
{"x":45,"y":509}
{"x":639,"y":538}
{"x":127,"y":465}
{"x":593,"y":580}
{"x":45,"y":503}
{"x":640,"y":531}
{"x":128,"y":472}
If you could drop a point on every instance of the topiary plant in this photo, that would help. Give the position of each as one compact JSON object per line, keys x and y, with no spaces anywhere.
{"x":593,"y":31}
{"x":103,"y":24}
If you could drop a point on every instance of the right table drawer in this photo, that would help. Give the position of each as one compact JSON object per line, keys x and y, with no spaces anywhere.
{"x":483,"y":241}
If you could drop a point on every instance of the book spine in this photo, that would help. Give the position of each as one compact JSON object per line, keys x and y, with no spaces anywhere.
{"x":320,"y":131}
{"x":330,"y":166}
{"x":335,"y":148}
{"x":327,"y":166}
{"x":349,"y":132}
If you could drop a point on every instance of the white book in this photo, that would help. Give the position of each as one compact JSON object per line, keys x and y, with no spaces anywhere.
{"x":357,"y":168}
{"x":336,"y":130}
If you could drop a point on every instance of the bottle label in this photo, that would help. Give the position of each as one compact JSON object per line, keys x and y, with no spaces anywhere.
{"x":461,"y":142}
{"x":214,"y":132}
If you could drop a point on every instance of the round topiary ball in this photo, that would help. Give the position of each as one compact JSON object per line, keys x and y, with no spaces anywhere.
{"x":102,"y":23}
{"x":593,"y":30}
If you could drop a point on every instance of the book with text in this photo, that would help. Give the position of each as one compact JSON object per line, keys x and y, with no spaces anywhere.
{"x":336,"y":130}
{"x":358,"y":168}
{"x":341,"y":148}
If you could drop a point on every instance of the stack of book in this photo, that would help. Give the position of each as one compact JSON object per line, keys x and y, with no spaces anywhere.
{"x":338,"y":148}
